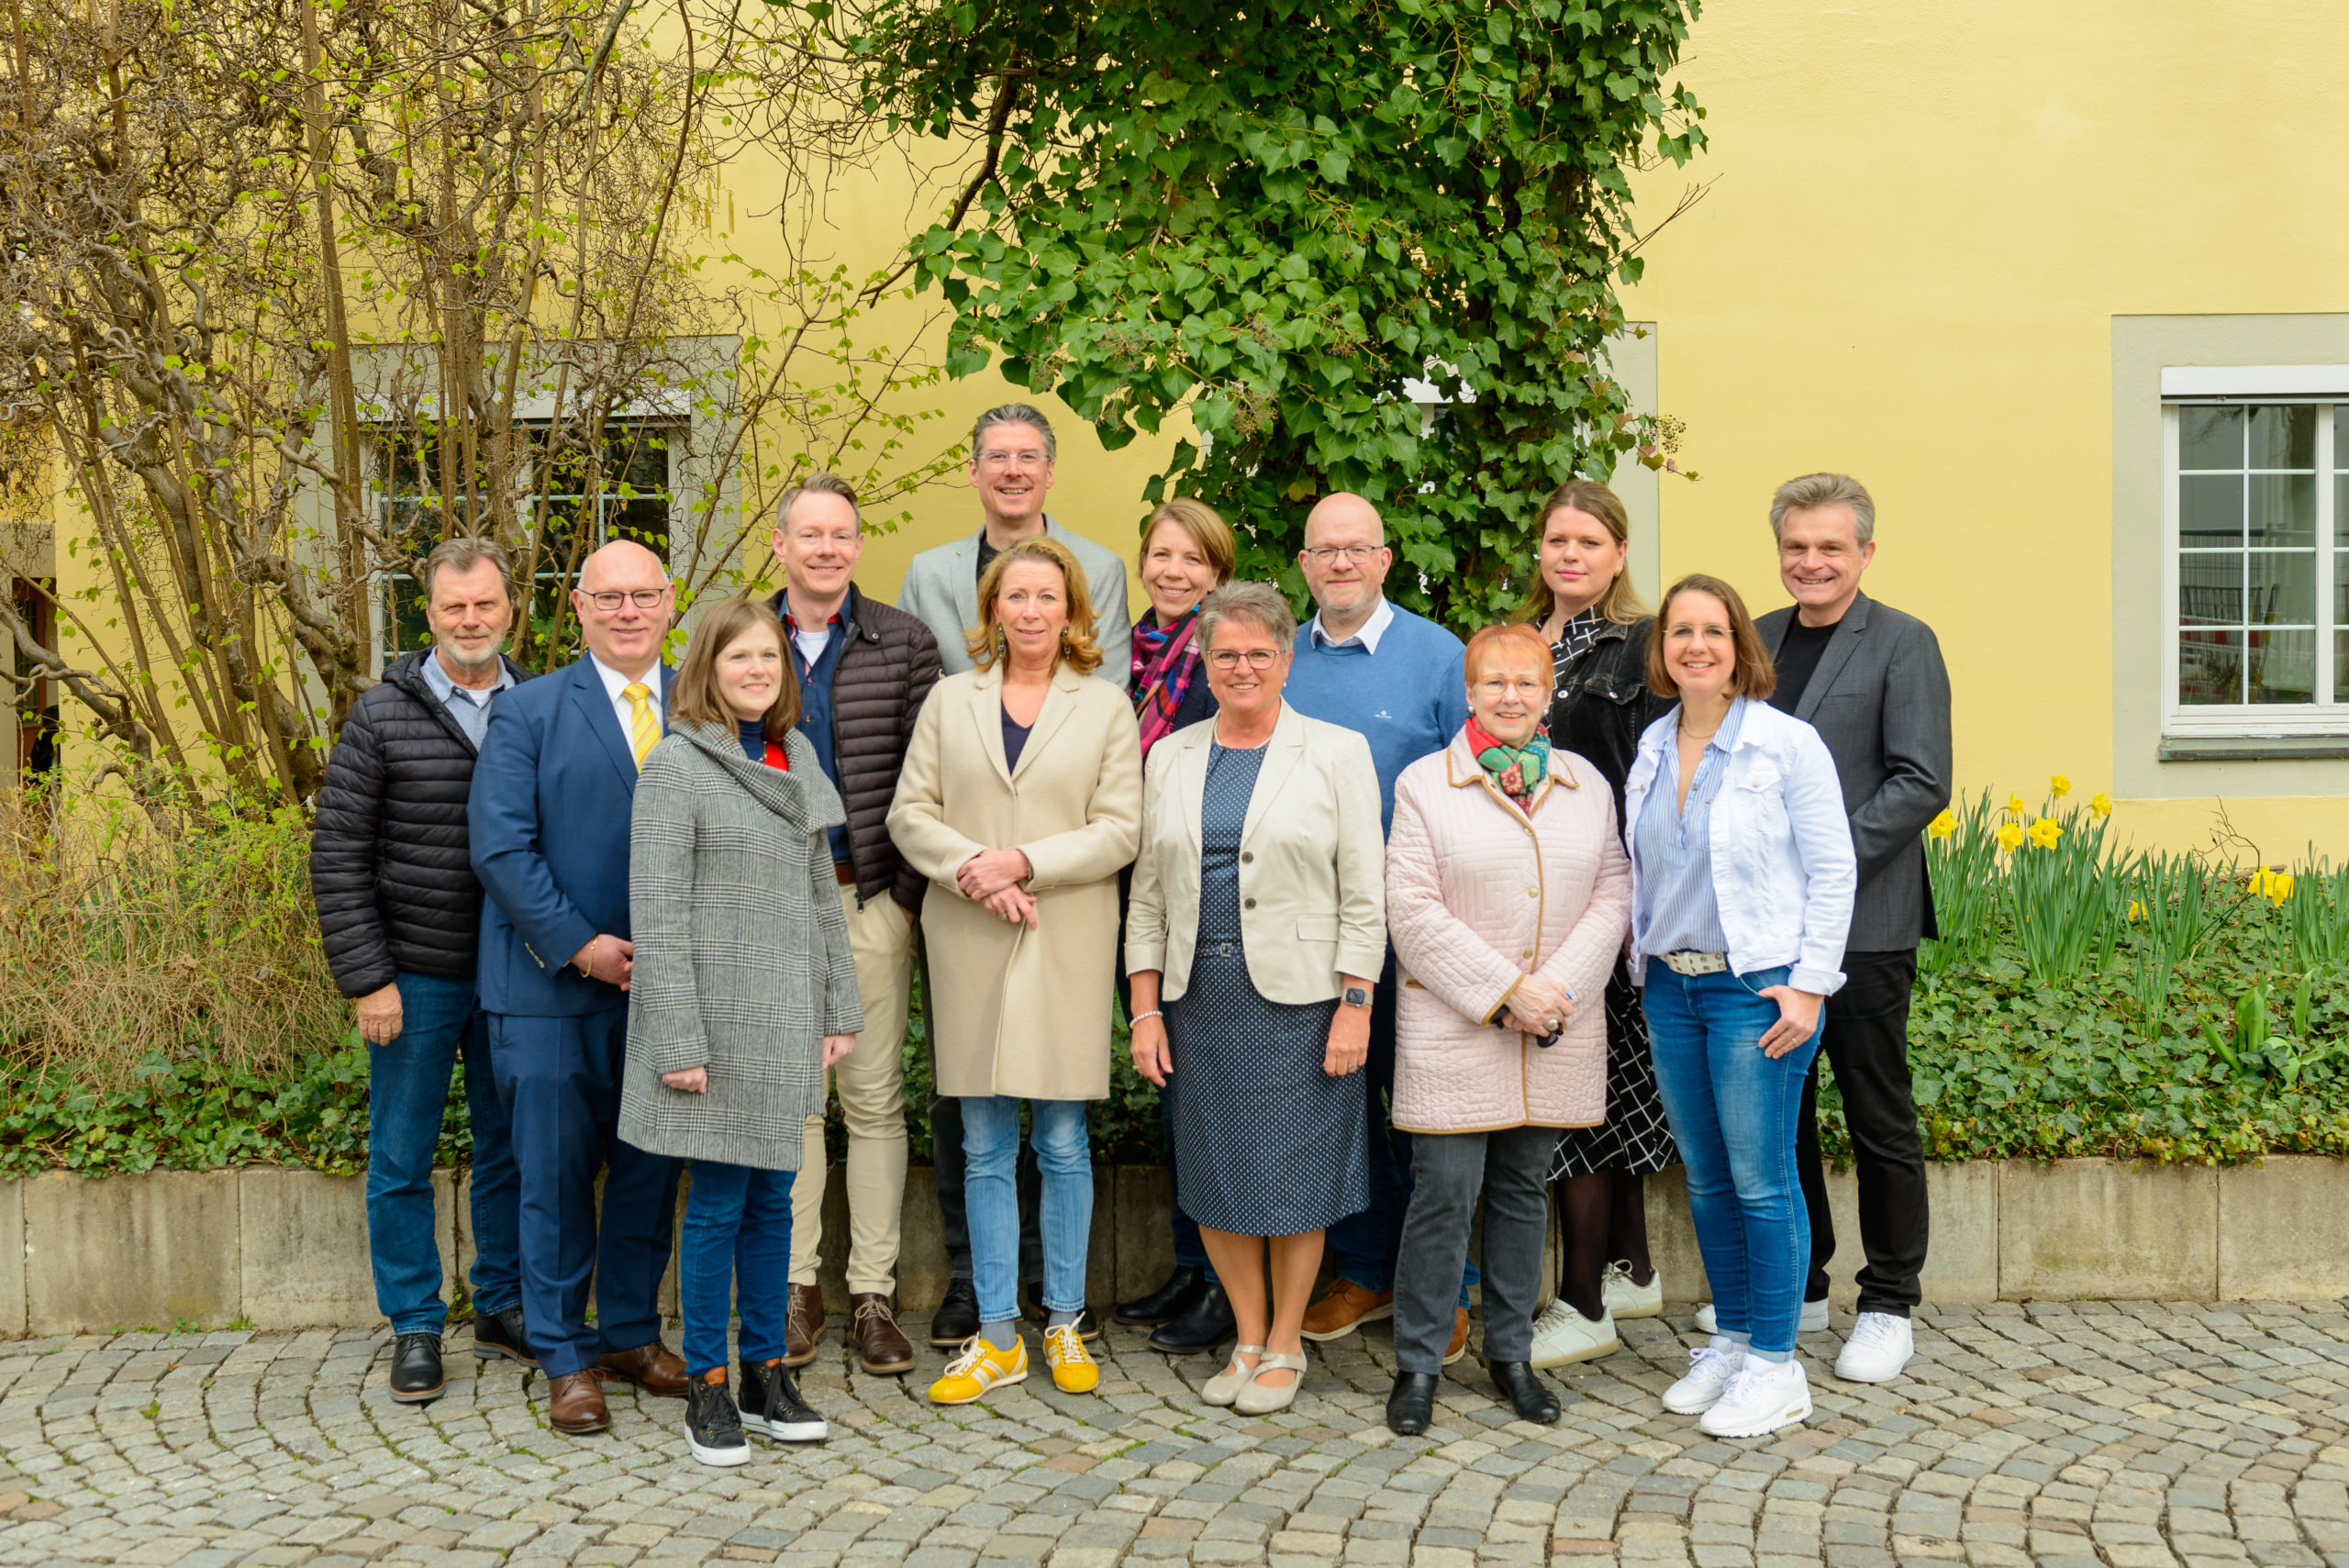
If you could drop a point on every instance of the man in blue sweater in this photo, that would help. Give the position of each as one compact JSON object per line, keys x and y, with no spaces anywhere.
{"x":1397,"y":679}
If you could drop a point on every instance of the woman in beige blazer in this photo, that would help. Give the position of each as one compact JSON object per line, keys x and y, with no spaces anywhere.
{"x":1256,"y":932}
{"x":1021,"y":800}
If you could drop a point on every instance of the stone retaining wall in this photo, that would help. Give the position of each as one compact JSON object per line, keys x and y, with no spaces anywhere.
{"x":279,"y":1248}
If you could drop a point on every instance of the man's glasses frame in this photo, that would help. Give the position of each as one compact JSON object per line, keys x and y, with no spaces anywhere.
{"x":608,"y":599}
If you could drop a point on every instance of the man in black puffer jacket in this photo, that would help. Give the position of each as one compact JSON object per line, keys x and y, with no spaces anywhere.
{"x":399,"y":910}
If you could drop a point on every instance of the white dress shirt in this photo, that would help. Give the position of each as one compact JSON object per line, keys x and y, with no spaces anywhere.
{"x":1367,"y":636}
{"x":616,"y":683}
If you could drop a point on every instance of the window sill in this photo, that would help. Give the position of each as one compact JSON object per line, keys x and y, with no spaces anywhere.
{"x":2252,"y":748}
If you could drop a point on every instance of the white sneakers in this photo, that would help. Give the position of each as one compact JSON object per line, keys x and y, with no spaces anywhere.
{"x":1814,"y":1317}
{"x":1711,"y":1369}
{"x":1879,"y":1346}
{"x":1562,"y":1335}
{"x":1624,"y":1299}
{"x":1762,"y":1397}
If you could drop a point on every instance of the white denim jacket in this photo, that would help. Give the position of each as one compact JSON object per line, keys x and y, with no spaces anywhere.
{"x":1782,"y":869}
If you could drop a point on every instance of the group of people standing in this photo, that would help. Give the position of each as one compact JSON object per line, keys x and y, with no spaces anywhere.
{"x":1404,"y":928}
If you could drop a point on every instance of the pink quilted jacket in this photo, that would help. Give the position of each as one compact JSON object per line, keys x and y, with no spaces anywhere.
{"x":1477,"y":895}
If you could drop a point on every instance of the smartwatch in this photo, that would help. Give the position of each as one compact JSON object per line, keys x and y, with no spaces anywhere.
{"x":1356,"y":996}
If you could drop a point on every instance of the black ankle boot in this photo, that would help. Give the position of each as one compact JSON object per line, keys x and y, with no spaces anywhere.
{"x":713,"y":1425}
{"x":957,"y":1318}
{"x":773,"y":1409}
{"x":1206,"y":1324}
{"x":1411,"y":1408}
{"x":416,"y":1369}
{"x":1165,"y":1304}
{"x":1532,"y":1399}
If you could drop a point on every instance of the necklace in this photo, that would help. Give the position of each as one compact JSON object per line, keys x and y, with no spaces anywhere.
{"x":1692,"y":735}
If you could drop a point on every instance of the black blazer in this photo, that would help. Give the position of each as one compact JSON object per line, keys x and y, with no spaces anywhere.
{"x":1880,"y":700}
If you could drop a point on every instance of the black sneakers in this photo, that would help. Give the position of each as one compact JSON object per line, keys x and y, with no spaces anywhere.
{"x":416,"y":1369}
{"x":771,"y":1407}
{"x":501,"y":1334}
{"x":713,"y":1426}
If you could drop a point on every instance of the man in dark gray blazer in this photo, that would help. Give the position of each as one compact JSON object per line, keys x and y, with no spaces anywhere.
{"x":1870,"y":680}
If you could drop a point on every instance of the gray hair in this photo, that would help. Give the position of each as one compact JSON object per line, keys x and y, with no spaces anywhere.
{"x":1015,"y":414}
{"x":1813,"y":490}
{"x":463,"y":553}
{"x":822,"y":483}
{"x":1259,"y":604}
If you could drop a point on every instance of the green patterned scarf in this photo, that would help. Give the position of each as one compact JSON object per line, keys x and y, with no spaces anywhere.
{"x":1517,"y":771}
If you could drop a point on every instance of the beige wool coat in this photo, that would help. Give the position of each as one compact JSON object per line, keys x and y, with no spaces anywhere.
{"x":1014,"y":1011}
{"x":1478,"y":895}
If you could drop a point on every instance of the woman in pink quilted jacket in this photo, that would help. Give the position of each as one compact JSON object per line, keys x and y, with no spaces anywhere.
{"x":1507,"y":896}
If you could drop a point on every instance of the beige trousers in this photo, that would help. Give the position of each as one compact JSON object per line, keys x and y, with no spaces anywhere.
{"x":872,"y":1106}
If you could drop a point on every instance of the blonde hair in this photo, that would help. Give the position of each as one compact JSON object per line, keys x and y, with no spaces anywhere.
{"x":1208,"y":530}
{"x":1620,"y":603}
{"x":1078,"y":650}
{"x":694,"y":697}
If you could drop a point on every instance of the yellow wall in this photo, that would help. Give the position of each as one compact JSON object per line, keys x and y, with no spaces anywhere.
{"x":1922,"y":222}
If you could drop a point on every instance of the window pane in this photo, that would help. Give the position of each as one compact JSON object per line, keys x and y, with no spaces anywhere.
{"x":2282,"y":666}
{"x":2210,"y":438}
{"x":2282,"y":588}
{"x":2210,"y":510}
{"x":2210,"y":589}
{"x":2283,"y":436}
{"x":2209,"y":668}
{"x":2283,"y":509}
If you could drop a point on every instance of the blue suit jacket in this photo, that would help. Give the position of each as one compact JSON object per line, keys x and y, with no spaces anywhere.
{"x":552,"y":795}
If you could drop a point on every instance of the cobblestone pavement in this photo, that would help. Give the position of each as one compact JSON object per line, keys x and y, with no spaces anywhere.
{"x":2134,"y":1435}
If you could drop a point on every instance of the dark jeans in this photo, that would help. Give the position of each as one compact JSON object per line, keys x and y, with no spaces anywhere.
{"x":736,"y":1255}
{"x":1368,"y":1244}
{"x":561,"y":1081}
{"x":1190,"y":1253}
{"x":1866,"y":1040}
{"x":407,"y":1090}
{"x":1511,"y":1169}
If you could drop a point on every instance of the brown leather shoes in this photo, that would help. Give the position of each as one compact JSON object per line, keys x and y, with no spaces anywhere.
{"x":803,"y":1325}
{"x":880,"y":1347}
{"x":1346,"y":1308}
{"x":575,"y":1404}
{"x":654,"y":1367}
{"x":1459,"y":1345}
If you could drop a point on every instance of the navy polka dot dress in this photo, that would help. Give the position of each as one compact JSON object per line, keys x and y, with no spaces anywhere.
{"x":1266,"y":1142}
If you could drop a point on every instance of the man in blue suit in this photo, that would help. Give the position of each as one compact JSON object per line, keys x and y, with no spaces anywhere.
{"x":548,"y":815}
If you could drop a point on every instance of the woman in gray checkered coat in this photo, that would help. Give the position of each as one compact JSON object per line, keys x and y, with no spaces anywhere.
{"x":743,"y":994}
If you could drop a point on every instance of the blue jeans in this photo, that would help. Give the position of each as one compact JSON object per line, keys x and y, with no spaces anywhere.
{"x":407,"y":1090}
{"x":1064,"y":1156}
{"x":736,"y":1253}
{"x":1733,"y":1114}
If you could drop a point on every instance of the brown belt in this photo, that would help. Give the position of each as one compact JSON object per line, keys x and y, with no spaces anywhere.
{"x":844,"y":872}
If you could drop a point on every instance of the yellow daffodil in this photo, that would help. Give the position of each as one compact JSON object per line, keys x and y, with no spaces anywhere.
{"x":2101,"y":803}
{"x":2014,"y":806}
{"x":1942,"y":827}
{"x":2059,"y":786}
{"x":2046,"y":831}
{"x":2136,"y":910}
{"x":2273,"y":885}
{"x":2010,"y":836}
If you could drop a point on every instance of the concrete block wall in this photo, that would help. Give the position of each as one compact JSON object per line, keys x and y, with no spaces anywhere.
{"x":280,"y":1248}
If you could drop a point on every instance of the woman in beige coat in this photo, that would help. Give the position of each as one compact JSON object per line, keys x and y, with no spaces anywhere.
{"x":1507,"y":896}
{"x":1021,"y":801}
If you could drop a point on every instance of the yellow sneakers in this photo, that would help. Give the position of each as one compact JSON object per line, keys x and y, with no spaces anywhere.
{"x":1074,"y":1368}
{"x":981,"y":1367}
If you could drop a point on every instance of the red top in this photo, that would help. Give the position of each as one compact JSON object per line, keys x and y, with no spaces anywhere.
{"x":777,"y":758}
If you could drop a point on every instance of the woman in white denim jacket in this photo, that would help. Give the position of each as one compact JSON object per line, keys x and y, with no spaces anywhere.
{"x":1741,"y":882}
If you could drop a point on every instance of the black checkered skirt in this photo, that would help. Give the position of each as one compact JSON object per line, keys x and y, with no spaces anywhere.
{"x":1636,"y":1135}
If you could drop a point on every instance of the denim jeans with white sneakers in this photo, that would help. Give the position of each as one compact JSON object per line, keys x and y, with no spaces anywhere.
{"x":1733,"y":1113}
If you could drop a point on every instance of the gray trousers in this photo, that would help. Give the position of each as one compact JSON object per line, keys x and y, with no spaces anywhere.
{"x":1510,"y":1169}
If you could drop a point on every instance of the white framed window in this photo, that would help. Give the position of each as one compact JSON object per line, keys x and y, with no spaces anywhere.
{"x":2256,"y":568}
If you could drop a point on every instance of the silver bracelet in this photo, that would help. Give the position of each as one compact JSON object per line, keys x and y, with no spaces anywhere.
{"x":1138,"y":1018}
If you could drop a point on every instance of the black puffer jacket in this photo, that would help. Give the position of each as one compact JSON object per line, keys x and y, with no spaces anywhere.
{"x":388,"y":866}
{"x":883,"y":677}
{"x":1600,"y":704}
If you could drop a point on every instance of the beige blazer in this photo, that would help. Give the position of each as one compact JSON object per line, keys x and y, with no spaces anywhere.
{"x":1313,"y":858}
{"x":1014,"y":1011}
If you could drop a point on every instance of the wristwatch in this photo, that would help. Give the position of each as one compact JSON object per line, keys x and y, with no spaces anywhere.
{"x":1356,"y":996}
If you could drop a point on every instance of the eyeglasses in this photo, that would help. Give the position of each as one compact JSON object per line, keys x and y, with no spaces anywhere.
{"x":1497,"y":688}
{"x":643,"y":598}
{"x":993,"y":459}
{"x":1228,"y":659}
{"x":1355,"y":554}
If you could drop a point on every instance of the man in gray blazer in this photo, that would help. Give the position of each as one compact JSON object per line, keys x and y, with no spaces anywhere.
{"x":1012,"y":452}
{"x":1870,"y":680}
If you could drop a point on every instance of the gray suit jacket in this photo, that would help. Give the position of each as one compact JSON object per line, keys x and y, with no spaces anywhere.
{"x":1880,"y":700}
{"x":943,"y":588}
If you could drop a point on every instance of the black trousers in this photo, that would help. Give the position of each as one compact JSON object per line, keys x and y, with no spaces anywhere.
{"x":1867,"y":1042}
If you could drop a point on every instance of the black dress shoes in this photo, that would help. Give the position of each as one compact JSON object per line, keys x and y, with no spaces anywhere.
{"x":957,"y":1318}
{"x":1167,"y":1302}
{"x":1532,"y":1399}
{"x":501,"y":1334}
{"x":1032,"y":1307}
{"x":1411,"y":1408}
{"x":416,"y":1369}
{"x":1204,"y":1326}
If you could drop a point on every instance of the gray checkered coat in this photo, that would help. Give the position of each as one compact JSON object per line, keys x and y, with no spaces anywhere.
{"x":741,"y":951}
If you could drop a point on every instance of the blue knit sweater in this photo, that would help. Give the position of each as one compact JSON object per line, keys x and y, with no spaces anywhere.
{"x":1408,"y":699}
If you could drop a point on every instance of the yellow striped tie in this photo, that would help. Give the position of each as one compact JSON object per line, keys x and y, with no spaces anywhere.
{"x":643,"y":729}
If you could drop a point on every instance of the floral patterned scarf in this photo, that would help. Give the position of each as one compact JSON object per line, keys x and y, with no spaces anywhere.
{"x":1517,"y":771}
{"x":1165,"y":660}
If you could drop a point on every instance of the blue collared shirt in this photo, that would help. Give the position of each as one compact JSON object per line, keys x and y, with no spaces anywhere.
{"x":1680,"y":911}
{"x":816,"y":694}
{"x":470,"y":708}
